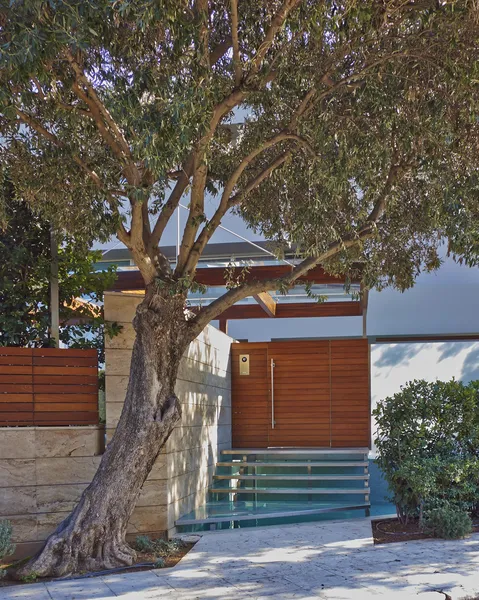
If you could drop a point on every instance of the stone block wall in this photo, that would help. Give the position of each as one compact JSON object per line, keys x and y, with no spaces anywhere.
{"x":43,"y":471}
{"x":183,"y":471}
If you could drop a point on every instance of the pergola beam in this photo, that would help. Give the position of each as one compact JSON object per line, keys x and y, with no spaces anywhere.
{"x":290,"y":310}
{"x":267,"y":303}
{"x":217,"y":276}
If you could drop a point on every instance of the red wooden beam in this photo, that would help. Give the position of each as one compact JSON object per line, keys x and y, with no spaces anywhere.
{"x":291,"y":310}
{"x":215,"y":276}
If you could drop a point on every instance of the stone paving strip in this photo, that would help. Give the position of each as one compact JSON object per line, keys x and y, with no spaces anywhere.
{"x":327,"y":561}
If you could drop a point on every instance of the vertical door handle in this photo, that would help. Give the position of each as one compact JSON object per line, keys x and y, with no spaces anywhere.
{"x":272,"y":393}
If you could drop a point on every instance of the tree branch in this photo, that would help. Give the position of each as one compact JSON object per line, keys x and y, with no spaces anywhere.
{"x":219,"y":305}
{"x":200,"y":172}
{"x":227,"y":200}
{"x":234,"y":98}
{"x":258,"y":179}
{"x":203,"y":17}
{"x":171,"y":204}
{"x":209,"y":229}
{"x":238,"y":72}
{"x":94,"y":99}
{"x":220,"y":50}
{"x":102,"y":128}
{"x":380,"y":205}
{"x":276,"y":24}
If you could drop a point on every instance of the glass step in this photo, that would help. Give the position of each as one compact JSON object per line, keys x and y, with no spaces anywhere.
{"x":293,"y":463}
{"x":221,"y":512}
{"x":286,"y":490}
{"x":293,"y":477}
{"x":294,"y":451}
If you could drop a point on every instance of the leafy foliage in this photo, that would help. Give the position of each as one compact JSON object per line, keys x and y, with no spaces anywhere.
{"x":448,"y":522}
{"x":25,"y":285}
{"x":348,"y":129}
{"x":428,"y":446}
{"x":6,"y":546}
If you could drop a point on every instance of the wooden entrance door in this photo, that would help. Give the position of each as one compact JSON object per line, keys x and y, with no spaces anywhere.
{"x":317,"y":394}
{"x":299,"y":384}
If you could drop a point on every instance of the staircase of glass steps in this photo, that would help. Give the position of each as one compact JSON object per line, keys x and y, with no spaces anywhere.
{"x":284,"y":483}
{"x":260,"y":474}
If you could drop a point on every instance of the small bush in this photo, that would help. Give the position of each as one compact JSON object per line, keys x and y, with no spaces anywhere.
{"x":143,"y":543}
{"x":161,"y":548}
{"x":428,"y":446}
{"x":448,"y":522}
{"x":30,"y":578}
{"x":6,"y":546}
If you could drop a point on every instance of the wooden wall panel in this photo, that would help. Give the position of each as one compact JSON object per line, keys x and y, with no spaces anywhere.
{"x":301,"y":393}
{"x":250,"y":416}
{"x":48,"y":386}
{"x":350,"y":394}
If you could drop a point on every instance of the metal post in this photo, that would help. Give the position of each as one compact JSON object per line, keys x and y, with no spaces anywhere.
{"x":54,"y":295}
{"x":178,"y":234}
{"x":273,"y":422}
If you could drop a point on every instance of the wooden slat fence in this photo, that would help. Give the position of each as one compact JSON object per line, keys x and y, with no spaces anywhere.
{"x":48,"y":386}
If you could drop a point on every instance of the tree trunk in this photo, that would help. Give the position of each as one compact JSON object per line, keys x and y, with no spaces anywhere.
{"x":93,"y":536}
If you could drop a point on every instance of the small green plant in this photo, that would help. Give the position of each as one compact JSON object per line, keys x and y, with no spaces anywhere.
{"x":30,"y":578}
{"x":143,"y":543}
{"x":159,"y":547}
{"x":160,"y":563}
{"x":448,"y":522}
{"x":6,"y":546}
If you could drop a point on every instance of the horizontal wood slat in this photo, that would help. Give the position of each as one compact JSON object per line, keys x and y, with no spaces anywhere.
{"x":350,"y":394}
{"x":48,"y":386}
{"x":72,"y":361}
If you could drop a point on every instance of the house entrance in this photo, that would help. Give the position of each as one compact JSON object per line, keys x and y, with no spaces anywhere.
{"x":301,"y":394}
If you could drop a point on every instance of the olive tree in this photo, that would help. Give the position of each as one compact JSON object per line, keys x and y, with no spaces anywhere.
{"x":347,"y":129}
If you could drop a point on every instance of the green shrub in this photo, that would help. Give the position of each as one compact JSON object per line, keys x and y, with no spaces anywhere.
{"x":448,"y":522}
{"x":6,"y":546}
{"x":159,"y":547}
{"x":428,"y":446}
{"x":143,"y":543}
{"x":30,"y":578}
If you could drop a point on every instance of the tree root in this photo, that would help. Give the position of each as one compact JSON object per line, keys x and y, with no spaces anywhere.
{"x":87,"y":548}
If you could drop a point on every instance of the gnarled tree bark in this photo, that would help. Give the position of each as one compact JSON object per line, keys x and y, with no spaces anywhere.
{"x":93,"y":536}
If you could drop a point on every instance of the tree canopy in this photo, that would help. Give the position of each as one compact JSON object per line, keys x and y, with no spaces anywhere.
{"x":347,"y":128}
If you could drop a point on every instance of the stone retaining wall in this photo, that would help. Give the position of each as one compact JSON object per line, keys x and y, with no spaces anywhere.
{"x":43,"y":471}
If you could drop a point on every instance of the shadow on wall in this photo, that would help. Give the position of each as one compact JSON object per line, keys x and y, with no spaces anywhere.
{"x":394,"y":355}
{"x":462,"y":356}
{"x":203,"y":388}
